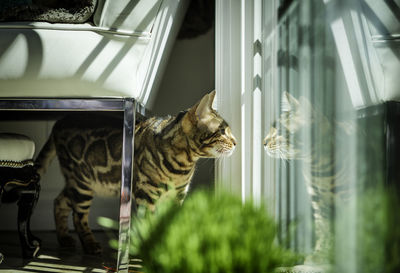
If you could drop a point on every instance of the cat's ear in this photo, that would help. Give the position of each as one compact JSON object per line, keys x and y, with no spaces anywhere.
{"x":288,"y":102}
{"x":212,"y":97}
{"x":204,"y":108}
{"x":307,"y":108}
{"x":201,"y":114}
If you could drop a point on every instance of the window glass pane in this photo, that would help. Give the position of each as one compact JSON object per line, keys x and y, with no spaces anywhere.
{"x":326,"y":125}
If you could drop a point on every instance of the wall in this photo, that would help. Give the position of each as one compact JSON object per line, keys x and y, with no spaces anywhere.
{"x":188,"y":76}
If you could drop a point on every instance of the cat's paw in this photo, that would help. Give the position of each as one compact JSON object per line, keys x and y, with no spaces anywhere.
{"x":317,"y":258}
{"x":66,"y":241}
{"x":92,"y":247}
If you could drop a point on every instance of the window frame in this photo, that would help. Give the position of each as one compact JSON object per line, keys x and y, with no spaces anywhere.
{"x":239,"y":84}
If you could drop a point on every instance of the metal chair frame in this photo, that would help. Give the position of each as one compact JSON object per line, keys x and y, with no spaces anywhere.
{"x":130,"y":108}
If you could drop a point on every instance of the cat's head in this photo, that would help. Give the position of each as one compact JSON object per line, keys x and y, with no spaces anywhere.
{"x":209,"y":133}
{"x":285,"y":138}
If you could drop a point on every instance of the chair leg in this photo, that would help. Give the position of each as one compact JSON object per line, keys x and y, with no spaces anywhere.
{"x":29,"y":243}
{"x":126,"y":187}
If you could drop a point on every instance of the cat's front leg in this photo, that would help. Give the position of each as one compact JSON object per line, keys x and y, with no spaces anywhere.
{"x":322,"y":253}
{"x":89,"y":243}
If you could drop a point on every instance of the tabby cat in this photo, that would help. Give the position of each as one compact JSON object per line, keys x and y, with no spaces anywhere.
{"x":325,"y":172}
{"x":166,"y":151}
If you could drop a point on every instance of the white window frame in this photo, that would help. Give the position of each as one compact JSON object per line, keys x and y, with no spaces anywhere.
{"x":239,"y":98}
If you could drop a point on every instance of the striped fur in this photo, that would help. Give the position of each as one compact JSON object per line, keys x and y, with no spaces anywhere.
{"x":166,"y":151}
{"x":325,"y":172}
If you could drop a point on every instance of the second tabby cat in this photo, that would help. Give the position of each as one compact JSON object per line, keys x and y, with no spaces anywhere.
{"x":325,"y":172}
{"x":166,"y":151}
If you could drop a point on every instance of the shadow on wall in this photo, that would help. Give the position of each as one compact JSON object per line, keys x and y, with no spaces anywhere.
{"x":189,"y":75}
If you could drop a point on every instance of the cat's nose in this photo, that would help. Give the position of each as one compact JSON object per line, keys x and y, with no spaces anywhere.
{"x":266,"y":139}
{"x":272,"y":134}
{"x":233,"y":141}
{"x":231,"y":136}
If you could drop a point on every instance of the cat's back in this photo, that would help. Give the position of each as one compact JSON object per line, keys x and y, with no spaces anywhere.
{"x":146,"y":131}
{"x":89,"y":147}
{"x":84,"y":129}
{"x":88,"y":121}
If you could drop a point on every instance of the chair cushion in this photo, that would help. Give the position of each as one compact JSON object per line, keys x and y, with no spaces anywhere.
{"x":16,"y":150}
{"x":44,"y":60}
{"x":99,"y":65}
{"x":54,"y":11}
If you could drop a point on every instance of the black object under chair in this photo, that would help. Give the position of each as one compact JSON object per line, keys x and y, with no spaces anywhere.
{"x":19,"y":183}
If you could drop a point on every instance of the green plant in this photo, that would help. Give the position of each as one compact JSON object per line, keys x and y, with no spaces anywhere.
{"x":210,"y":234}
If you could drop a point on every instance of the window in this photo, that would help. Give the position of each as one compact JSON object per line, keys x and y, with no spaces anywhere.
{"x":308,"y":88}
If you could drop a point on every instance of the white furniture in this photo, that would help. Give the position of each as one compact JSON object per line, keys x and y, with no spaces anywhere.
{"x":19,"y":183}
{"x":113,"y":64}
{"x":122,"y":55}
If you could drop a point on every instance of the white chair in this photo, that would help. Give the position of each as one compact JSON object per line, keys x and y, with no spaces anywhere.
{"x":19,"y":183}
{"x":111,"y":64}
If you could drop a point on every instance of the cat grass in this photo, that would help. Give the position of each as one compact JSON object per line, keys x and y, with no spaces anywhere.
{"x":210,"y":234}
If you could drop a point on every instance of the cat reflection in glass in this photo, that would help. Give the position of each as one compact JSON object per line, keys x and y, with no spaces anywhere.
{"x":303,"y":133}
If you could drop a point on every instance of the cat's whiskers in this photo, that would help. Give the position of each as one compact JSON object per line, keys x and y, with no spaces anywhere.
{"x":283,"y":159}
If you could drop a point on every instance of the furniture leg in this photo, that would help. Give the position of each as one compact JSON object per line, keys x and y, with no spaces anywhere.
{"x":126,"y":186}
{"x":26,"y":204}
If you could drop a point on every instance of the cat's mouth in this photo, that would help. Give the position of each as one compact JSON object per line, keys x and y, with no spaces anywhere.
{"x":272,"y":150}
{"x":225,"y":151}
{"x":280,"y":150}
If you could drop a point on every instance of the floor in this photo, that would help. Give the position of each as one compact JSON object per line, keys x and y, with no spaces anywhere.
{"x":52,"y":258}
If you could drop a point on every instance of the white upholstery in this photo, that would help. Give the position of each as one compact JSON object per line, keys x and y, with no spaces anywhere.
{"x":122,"y":56}
{"x":68,"y":62}
{"x":16,"y":147}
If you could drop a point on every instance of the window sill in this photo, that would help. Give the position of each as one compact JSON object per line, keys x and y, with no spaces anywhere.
{"x":305,"y":269}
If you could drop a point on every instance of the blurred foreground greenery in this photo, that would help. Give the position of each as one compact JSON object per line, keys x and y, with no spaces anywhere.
{"x":209,"y":233}
{"x":372,"y":234}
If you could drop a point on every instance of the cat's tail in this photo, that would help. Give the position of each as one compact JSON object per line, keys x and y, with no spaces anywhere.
{"x":46,"y":156}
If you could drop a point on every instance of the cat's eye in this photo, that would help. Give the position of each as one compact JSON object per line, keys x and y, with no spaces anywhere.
{"x":222,"y":131}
